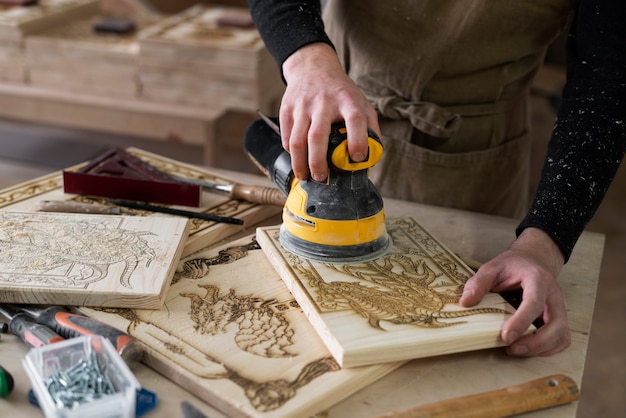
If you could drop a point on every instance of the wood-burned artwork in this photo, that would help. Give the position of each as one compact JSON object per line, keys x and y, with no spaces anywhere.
{"x":24,"y":197}
{"x":400,"y":306}
{"x":231,"y":333}
{"x":88,"y":260}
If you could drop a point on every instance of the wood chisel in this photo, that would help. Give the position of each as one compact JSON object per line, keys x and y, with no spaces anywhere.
{"x":77,"y":207}
{"x":88,"y":208}
{"x":542,"y":393}
{"x":255,"y":194}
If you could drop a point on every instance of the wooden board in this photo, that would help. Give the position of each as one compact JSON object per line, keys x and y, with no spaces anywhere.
{"x":88,"y":260}
{"x":398,"y":307}
{"x":12,"y":63}
{"x":102,"y":64}
{"x":231,"y":333}
{"x":17,"y":22}
{"x":190,"y":58}
{"x":24,"y":197}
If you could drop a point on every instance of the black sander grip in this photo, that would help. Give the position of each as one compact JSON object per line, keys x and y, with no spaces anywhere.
{"x":264,"y":147}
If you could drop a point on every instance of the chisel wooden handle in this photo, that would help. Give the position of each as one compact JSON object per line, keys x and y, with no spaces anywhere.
{"x":258,"y":194}
{"x":251,"y":193}
{"x":537,"y":394}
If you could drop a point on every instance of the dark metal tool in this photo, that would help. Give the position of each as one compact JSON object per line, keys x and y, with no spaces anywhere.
{"x":188,"y":214}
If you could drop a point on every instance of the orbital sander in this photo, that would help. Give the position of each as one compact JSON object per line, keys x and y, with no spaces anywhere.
{"x":340,"y":219}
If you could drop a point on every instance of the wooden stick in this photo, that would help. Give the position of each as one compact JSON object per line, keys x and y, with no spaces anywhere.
{"x":537,"y":394}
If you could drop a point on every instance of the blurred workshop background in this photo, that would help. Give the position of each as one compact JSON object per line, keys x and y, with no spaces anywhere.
{"x":54,"y":113}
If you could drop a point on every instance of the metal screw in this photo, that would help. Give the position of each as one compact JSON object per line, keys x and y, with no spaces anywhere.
{"x":84,"y":382}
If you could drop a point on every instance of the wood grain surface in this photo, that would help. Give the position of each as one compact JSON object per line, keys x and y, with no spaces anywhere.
{"x":398,"y":307}
{"x":25,"y":196}
{"x":88,"y":260}
{"x":232,"y":334}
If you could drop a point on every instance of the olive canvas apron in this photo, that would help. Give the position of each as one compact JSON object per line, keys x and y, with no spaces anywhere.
{"x":450,"y":81}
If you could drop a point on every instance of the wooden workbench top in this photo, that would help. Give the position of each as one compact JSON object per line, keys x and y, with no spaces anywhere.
{"x":476,"y":236}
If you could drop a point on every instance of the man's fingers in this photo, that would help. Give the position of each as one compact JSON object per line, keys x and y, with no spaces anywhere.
{"x":298,"y":147}
{"x":318,"y":134}
{"x":476,"y":287}
{"x":286,"y":125}
{"x":546,"y":341}
{"x":550,"y":339}
{"x":531,"y":308}
{"x":356,"y":127}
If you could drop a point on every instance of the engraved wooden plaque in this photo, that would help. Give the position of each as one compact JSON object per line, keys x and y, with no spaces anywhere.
{"x":231,"y":333}
{"x":88,"y":260}
{"x":24,"y":197}
{"x":398,"y":307}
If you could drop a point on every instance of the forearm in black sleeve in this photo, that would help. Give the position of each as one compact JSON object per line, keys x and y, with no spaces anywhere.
{"x":287,"y":25}
{"x":589,"y":137}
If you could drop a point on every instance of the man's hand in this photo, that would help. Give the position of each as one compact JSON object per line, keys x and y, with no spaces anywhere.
{"x":532,"y":263}
{"x":318,"y":94}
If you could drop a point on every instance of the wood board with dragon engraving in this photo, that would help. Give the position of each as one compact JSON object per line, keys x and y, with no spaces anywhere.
{"x":400,"y":306}
{"x":232,"y":334}
{"x":24,"y":197}
{"x":88,"y":260}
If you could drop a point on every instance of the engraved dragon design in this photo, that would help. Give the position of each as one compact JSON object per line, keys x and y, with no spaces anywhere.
{"x":405,"y":297}
{"x":263,"y":331}
{"x":407,"y":286}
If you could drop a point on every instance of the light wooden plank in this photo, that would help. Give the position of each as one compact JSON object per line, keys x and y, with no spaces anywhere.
{"x":232,"y":334}
{"x":142,"y":118}
{"x":102,"y":64}
{"x":17,"y":22}
{"x":88,"y":260}
{"x":398,"y":307}
{"x":190,"y":58}
{"x":24,"y":197}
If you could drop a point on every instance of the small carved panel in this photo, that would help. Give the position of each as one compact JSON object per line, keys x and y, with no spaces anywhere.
{"x":231,"y":333}
{"x":400,"y":306}
{"x":88,"y":260}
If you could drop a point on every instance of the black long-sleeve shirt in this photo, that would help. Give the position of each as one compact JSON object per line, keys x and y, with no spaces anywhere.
{"x":589,"y":138}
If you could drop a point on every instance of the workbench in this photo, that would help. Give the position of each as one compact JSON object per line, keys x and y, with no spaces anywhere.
{"x":475,"y":236}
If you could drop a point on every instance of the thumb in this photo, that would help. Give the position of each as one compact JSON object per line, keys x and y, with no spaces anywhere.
{"x":475,"y":288}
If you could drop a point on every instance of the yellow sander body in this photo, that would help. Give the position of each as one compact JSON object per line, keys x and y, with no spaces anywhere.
{"x":341,"y":219}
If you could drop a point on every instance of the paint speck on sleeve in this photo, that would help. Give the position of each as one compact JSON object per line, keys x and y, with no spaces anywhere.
{"x":589,"y":137}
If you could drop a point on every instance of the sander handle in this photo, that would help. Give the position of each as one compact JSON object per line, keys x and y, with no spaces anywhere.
{"x":537,"y":394}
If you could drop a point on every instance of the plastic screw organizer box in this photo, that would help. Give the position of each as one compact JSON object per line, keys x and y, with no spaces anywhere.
{"x":82,"y":377}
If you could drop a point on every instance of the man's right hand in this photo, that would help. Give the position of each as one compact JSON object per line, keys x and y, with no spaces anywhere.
{"x":319,"y":93}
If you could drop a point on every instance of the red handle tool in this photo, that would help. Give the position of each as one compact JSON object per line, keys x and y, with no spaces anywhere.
{"x":71,"y":325}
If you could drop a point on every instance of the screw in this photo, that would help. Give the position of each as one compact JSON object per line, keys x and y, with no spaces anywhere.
{"x":85,"y":381}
